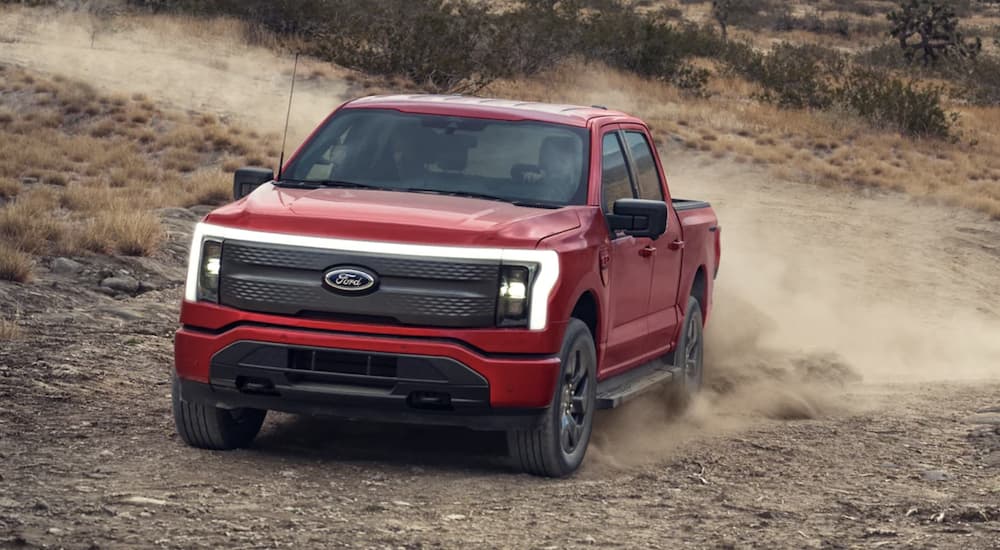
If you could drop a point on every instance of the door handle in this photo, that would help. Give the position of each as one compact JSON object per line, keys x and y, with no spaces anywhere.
{"x":677,"y":245}
{"x":647,"y":251}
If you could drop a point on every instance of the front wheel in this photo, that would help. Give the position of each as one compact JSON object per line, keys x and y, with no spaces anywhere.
{"x":208,"y":427}
{"x":557,"y":447}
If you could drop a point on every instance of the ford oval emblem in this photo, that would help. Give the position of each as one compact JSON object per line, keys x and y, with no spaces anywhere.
{"x":350,"y":280}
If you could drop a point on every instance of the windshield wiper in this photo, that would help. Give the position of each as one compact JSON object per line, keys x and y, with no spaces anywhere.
{"x":474,"y":195}
{"x":349,"y":185}
{"x":298,"y":184}
{"x":316,"y":184}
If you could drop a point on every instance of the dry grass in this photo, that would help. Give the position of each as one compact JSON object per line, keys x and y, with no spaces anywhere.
{"x":120,"y":230}
{"x":15,"y":265}
{"x":83,"y":172}
{"x":208,"y":187}
{"x":9,"y":330}
{"x":27,"y":223}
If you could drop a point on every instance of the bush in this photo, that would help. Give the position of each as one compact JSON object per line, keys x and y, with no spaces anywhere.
{"x":888,"y":102}
{"x":976,"y":80}
{"x":462,"y":45}
{"x":792,"y":76}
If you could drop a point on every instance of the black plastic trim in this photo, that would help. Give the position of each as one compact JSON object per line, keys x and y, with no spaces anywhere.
{"x":494,"y":419}
{"x":687,"y":204}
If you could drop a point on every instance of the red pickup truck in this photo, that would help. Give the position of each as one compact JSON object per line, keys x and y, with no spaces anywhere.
{"x":450,"y":260}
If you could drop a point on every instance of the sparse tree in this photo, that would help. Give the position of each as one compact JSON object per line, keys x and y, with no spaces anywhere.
{"x":727,"y":11}
{"x":930,"y":28}
{"x":722,"y":10}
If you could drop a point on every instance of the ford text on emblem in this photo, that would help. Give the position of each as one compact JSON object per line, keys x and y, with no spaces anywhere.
{"x":350,"y":279}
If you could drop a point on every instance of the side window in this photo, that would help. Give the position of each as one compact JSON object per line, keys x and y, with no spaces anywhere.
{"x":615,"y":182}
{"x":646,"y":175}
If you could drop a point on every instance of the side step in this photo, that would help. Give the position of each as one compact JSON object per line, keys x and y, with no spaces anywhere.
{"x":617,"y":390}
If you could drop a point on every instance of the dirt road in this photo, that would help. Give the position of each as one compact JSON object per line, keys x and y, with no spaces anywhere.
{"x":854,"y":386}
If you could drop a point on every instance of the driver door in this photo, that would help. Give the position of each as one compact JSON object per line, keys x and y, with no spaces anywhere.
{"x":630,"y":266}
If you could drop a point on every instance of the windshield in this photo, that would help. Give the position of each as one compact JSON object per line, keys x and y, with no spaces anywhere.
{"x":533,"y":163}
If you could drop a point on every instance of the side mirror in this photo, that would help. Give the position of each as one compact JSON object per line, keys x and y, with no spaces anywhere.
{"x":248,"y":179}
{"x":639,"y":218}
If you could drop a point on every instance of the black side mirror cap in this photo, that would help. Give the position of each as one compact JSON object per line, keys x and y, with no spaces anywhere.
{"x":249,"y":178}
{"x":639,"y":217}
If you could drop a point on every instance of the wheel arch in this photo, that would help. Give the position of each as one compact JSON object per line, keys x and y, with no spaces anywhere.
{"x":587,"y":309}
{"x":699,"y":289}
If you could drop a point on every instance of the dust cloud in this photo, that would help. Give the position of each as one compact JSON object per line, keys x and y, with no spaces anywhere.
{"x":820,"y":290}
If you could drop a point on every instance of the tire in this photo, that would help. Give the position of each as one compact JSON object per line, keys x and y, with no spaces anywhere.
{"x":208,"y":427}
{"x":689,"y":357}
{"x":557,"y":447}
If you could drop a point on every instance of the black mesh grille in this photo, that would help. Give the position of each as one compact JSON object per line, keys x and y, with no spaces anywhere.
{"x":387,"y":266}
{"x":288,"y":280}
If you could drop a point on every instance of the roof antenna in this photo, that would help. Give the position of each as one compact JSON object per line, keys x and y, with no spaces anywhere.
{"x":288,"y":115}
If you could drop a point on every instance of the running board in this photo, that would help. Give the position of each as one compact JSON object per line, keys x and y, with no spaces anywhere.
{"x":617,"y":390}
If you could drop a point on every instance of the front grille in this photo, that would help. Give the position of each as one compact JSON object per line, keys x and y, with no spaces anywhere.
{"x":287,"y":280}
{"x":319,"y":260}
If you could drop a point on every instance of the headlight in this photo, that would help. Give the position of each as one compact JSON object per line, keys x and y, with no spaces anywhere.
{"x":512,"y":305}
{"x":208,"y":271}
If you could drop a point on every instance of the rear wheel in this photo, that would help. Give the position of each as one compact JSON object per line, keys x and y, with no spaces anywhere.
{"x":689,"y":356}
{"x":208,"y":427}
{"x":557,"y":447}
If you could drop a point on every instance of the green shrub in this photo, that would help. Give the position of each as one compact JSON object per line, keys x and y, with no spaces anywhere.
{"x":888,"y":102}
{"x":792,"y":76}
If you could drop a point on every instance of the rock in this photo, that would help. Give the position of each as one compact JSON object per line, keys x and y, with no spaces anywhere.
{"x":879,"y":532}
{"x":454,"y":517}
{"x":990,"y":418}
{"x":401,"y":503}
{"x":55,"y":531}
{"x":144,"y":501}
{"x":935,"y":475}
{"x":65,"y":266}
{"x":121,"y":284}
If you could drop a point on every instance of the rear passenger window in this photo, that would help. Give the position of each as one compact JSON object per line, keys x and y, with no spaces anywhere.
{"x":615,"y":182}
{"x":646,"y":175}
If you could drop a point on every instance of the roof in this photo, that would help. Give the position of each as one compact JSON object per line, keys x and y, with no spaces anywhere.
{"x":477,"y":107}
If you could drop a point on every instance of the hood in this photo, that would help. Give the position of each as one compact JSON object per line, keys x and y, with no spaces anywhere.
{"x":418,"y":218}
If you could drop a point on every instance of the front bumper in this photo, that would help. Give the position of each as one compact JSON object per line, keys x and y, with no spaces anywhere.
{"x":380,"y":378}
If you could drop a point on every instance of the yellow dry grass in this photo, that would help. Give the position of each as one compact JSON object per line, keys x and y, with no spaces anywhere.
{"x":15,"y":265}
{"x":121,"y":230}
{"x":81,"y":172}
